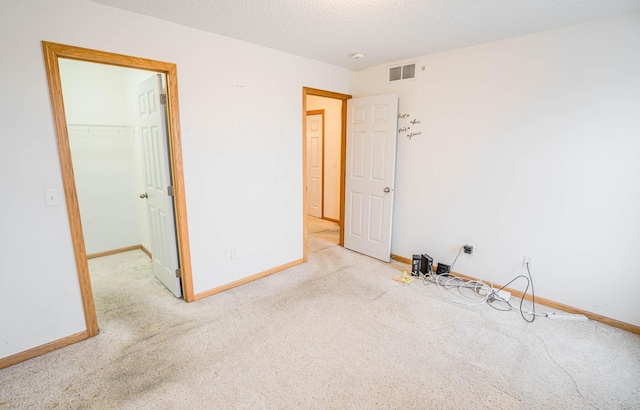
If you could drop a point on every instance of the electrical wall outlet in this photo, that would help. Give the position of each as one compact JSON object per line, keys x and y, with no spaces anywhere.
{"x":469,"y":249}
{"x":527,"y":260}
{"x":51,"y":197}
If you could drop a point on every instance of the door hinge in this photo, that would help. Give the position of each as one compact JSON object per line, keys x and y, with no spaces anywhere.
{"x":163,"y":99}
{"x":178,"y":273}
{"x":170,"y":191}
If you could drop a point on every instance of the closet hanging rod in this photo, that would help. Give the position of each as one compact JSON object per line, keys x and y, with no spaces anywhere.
{"x":129,"y":128}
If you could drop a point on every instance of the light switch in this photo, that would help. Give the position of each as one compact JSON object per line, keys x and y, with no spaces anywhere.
{"x":51,"y":197}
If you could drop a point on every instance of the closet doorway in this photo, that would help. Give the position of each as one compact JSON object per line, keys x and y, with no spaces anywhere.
{"x":53,"y":54}
{"x":116,"y":122}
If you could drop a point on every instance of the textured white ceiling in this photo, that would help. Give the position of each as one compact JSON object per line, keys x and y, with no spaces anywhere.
{"x":384,"y":30}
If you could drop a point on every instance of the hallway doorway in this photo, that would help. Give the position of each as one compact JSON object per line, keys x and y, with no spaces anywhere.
{"x":334,"y":109}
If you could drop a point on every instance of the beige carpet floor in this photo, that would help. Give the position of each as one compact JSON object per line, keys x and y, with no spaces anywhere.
{"x":323,"y":229}
{"x":336,"y":332}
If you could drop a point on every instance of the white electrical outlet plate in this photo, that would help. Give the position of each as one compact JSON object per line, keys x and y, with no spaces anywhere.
{"x":51,"y":197}
{"x":529,"y":260}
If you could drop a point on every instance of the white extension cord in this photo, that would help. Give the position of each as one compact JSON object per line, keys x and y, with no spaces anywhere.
{"x":567,"y":316}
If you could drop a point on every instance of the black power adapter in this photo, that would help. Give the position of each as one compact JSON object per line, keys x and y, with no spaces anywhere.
{"x":421,"y":264}
{"x":426,"y":264}
{"x":443,"y":269}
{"x":415,"y":265}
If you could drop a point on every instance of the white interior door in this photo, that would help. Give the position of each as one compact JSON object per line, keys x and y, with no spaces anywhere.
{"x":155,"y":152}
{"x":372,"y":125}
{"x":314,"y":164}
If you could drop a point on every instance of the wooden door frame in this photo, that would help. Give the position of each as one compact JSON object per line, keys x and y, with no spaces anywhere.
{"x":321,"y":113}
{"x":52,"y":52}
{"x":306,"y":91}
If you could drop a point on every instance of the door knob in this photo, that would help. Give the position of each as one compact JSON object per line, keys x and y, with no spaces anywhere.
{"x":144,"y":195}
{"x":387,"y":190}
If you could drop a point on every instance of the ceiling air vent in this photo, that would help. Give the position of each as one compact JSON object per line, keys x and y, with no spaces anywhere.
{"x":402,"y":72}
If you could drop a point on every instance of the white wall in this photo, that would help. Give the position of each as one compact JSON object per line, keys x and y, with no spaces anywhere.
{"x":240,"y":108}
{"x":106,"y":162}
{"x":332,"y":147}
{"x":528,"y":146}
{"x":94,"y":93}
